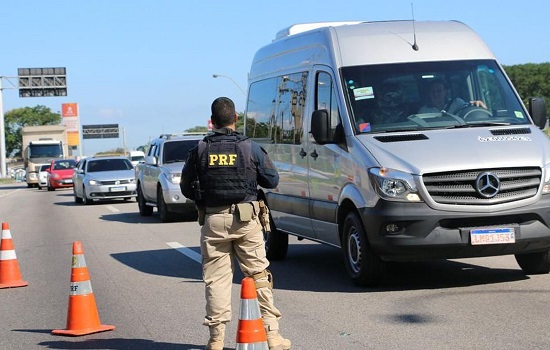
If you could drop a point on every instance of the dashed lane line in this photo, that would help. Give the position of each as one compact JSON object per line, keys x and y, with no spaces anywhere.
{"x":185,"y":251}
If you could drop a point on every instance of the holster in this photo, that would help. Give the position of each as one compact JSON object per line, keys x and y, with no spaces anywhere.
{"x":202,"y":214}
{"x":264,"y":216}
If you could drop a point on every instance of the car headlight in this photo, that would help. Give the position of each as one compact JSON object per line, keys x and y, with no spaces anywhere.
{"x":55,"y":176}
{"x":174,"y":178}
{"x":93,"y":182}
{"x":394,"y":185}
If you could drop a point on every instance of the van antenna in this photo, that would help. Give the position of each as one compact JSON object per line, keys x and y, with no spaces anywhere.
{"x":414,"y":45}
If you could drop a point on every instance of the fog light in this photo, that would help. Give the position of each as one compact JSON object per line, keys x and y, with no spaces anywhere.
{"x":392,"y":228}
{"x":176,"y":197}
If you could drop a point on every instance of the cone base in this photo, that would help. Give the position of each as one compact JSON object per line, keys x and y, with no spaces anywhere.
{"x":78,"y":332}
{"x":14,"y":284}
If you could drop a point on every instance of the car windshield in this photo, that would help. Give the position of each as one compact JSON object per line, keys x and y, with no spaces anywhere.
{"x":428,"y":95}
{"x":177,"y":151}
{"x":44,"y":167}
{"x":109,"y":165}
{"x":64,"y":164}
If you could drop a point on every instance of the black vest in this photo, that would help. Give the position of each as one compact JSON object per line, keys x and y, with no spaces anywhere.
{"x":226,"y":172}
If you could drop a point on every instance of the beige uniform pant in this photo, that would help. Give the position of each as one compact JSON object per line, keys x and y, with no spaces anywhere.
{"x":224,"y":238}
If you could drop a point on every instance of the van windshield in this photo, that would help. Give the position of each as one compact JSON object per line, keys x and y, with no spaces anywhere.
{"x":428,"y":95}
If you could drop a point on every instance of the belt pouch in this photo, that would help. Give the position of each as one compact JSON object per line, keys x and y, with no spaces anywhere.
{"x":244,"y":212}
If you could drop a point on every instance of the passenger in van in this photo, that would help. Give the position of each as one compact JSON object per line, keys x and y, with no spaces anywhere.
{"x":390,"y":105}
{"x":438,"y":100}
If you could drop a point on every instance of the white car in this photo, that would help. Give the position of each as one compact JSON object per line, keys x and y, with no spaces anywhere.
{"x":43,"y":176}
{"x":103,"y":178}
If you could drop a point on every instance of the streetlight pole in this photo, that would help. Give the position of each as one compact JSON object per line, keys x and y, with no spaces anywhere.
{"x":228,"y":77}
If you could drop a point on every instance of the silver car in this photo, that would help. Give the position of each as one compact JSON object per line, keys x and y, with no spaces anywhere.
{"x":103,"y":178}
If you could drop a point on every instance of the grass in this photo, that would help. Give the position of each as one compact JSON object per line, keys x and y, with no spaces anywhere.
{"x":7,"y":180}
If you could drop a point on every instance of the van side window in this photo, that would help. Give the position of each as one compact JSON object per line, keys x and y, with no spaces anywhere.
{"x":326,"y":99}
{"x":275,"y":109}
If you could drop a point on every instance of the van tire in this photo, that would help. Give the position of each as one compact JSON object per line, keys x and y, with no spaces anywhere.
{"x":276,"y":242}
{"x":364,"y":267}
{"x":534,"y":263}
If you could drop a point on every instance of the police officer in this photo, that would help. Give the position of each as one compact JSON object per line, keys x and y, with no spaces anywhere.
{"x":222,"y":175}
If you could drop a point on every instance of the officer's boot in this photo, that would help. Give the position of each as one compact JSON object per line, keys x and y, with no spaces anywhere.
{"x":275,"y":341}
{"x":217,"y":333}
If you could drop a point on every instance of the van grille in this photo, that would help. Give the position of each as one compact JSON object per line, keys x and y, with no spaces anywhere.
{"x":462,"y":187}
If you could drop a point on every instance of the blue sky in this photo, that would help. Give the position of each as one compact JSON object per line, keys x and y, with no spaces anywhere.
{"x":148,"y":65}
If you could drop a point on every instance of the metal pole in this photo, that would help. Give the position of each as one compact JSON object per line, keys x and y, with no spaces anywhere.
{"x":228,"y":77}
{"x":2,"y":135}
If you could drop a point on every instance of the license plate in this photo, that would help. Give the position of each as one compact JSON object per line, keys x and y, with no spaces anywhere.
{"x":70,"y":181}
{"x":118,"y":189}
{"x":493,"y":236}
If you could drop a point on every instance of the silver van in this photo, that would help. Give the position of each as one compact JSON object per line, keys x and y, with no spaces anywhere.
{"x":399,"y":141}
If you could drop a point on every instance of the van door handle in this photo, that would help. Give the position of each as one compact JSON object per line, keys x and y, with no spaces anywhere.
{"x":314,"y":154}
{"x":302,"y":153}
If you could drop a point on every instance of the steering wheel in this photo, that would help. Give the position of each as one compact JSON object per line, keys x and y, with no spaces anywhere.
{"x":472,"y":113}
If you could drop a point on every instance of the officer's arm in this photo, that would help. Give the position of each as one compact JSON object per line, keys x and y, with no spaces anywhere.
{"x":188,"y":174}
{"x":268,"y":177}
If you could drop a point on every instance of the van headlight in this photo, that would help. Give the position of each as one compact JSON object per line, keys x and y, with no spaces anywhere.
{"x":394,"y":185}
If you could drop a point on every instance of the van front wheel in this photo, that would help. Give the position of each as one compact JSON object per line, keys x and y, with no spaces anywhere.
{"x":364,"y":267}
{"x":276,"y":242}
{"x":534,"y":263}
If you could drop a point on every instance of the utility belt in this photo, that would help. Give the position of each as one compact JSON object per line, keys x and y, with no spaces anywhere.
{"x":244,"y":212}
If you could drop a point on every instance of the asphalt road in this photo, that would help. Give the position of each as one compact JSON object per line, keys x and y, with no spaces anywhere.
{"x":146,"y":281}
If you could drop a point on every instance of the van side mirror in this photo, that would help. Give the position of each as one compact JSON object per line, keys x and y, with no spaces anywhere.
{"x":320,"y":127}
{"x":537,"y":110}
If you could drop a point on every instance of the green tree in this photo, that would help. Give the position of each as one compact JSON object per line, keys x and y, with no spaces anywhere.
{"x":16,"y":119}
{"x":531,"y":80}
{"x":197,"y":129}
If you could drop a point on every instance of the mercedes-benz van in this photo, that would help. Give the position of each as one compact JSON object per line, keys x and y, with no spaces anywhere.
{"x":368,"y":163}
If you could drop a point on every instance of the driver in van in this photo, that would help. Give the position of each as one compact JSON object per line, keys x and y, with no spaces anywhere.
{"x":438,"y":100}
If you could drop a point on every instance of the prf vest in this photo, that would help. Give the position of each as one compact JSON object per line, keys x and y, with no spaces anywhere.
{"x":226,"y":174}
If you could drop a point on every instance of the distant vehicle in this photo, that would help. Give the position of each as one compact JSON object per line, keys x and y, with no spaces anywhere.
{"x":60,"y":173}
{"x":103,"y":178}
{"x":43,"y":176}
{"x":136,"y":157}
{"x":158,"y":178}
{"x":41,"y":143}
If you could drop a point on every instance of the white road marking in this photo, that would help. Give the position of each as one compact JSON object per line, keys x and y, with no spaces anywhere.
{"x":113,"y":209}
{"x":7,"y":193}
{"x":185,"y":251}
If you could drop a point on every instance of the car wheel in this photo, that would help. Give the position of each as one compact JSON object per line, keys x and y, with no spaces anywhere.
{"x":364,"y":267}
{"x":144,"y":209}
{"x":164,"y":214}
{"x":50,"y":188}
{"x":85,"y":199}
{"x":276,"y":242}
{"x":77,"y":199}
{"x":39,"y":187}
{"x":534,"y":263}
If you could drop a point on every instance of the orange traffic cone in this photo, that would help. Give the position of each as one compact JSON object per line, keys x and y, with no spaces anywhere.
{"x":82,"y":317}
{"x":10,"y":276}
{"x":250,"y":333}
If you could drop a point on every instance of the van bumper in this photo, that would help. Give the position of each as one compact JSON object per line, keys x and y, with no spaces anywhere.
{"x":424,"y":233}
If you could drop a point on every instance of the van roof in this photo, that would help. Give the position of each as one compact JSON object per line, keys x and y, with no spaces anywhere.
{"x":341,"y":44}
{"x":304,"y":27}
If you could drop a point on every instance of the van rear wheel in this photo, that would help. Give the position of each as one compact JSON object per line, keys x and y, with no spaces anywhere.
{"x":534,"y":263}
{"x":364,"y":267}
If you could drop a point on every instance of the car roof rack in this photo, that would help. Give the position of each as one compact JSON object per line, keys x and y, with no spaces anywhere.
{"x":198,"y":133}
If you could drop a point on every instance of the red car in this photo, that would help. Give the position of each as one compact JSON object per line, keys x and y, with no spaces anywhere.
{"x":60,"y":173}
